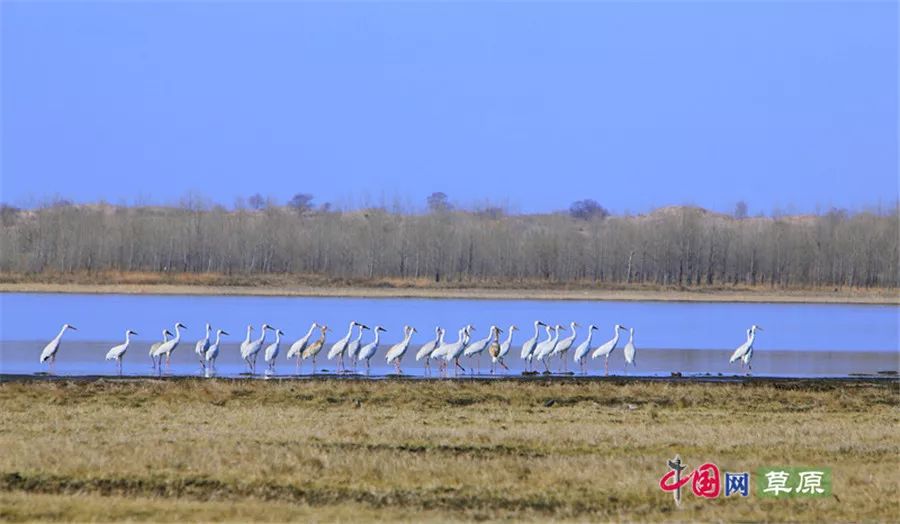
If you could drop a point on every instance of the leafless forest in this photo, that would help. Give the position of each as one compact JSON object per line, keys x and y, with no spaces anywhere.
{"x":675,"y":246}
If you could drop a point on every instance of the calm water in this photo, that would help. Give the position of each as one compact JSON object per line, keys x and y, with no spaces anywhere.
{"x":691,"y":338}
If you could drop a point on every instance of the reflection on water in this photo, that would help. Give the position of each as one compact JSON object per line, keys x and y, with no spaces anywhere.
{"x":86,"y":358}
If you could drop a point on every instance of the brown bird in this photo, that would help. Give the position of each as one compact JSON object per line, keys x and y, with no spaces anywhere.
{"x":494,"y":350}
{"x":316,"y":346}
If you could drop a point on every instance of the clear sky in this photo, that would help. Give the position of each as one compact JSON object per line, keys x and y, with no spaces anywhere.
{"x":787,"y":105}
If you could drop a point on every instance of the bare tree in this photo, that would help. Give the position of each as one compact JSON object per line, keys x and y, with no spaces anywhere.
{"x":301,"y":202}
{"x":587,"y":209}
{"x":676,"y":246}
{"x":438,"y":202}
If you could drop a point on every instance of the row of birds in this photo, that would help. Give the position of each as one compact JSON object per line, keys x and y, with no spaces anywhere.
{"x":533,"y":350}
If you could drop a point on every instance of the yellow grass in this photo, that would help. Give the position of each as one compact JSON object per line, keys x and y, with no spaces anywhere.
{"x":414,"y":450}
{"x":316,"y":286}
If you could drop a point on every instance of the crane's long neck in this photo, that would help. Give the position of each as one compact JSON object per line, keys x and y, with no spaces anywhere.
{"x":61,"y":331}
{"x":277,"y":337}
{"x":377,"y":337}
{"x":407,"y":337}
{"x":589,"y":337}
{"x":537,"y":330}
{"x":556,"y":336}
{"x":127,"y":337}
{"x":165,"y":335}
{"x":349,"y":331}
{"x":359,"y":335}
{"x":509,"y":336}
{"x":616,"y":337}
{"x":440,"y":339}
{"x":631,"y":335}
{"x":262,"y":336}
{"x":549,"y":334}
{"x":218,"y":337}
{"x":309,"y":333}
{"x":249,"y":330}
{"x":177,"y":333}
{"x":751,"y":337}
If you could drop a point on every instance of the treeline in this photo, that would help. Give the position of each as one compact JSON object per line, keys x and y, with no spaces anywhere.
{"x":678,"y":246}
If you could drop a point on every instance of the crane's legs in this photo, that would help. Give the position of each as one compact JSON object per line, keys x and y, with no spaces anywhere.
{"x":397,"y":364}
{"x":606,"y":366}
{"x":368,"y":367}
{"x":504,"y":365}
{"x":459,"y":365}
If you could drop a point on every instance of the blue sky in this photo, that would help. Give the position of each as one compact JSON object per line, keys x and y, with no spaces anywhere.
{"x":788,"y":105}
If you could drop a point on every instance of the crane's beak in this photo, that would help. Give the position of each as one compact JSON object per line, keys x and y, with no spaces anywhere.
{"x":135,"y":333}
{"x":225,"y":333}
{"x":73,"y":327}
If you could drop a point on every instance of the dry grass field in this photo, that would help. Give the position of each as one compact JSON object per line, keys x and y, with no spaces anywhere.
{"x":313,"y":286}
{"x":175,"y":450}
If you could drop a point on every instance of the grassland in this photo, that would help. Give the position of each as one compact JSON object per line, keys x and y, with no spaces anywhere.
{"x":313,"y":286}
{"x":174,"y":450}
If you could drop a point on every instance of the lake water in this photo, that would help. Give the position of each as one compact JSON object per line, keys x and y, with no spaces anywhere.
{"x":690,"y":338}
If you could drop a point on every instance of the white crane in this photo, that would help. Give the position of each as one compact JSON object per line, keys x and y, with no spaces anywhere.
{"x":341,"y":345}
{"x":745,"y":351}
{"x":313,"y":349}
{"x":440,"y":352}
{"x":201,"y":347}
{"x":168,"y":347}
{"x":543,"y":350}
{"x":368,"y":351}
{"x":395,"y":354}
{"x":475,"y":349}
{"x":250,"y":351}
{"x":155,"y":346}
{"x":529,"y":345}
{"x":212,"y":353}
{"x":628,"y":350}
{"x":271,"y":352}
{"x":52,"y":347}
{"x":428,"y":348}
{"x":502,"y":349}
{"x":580,"y":355}
{"x":563,"y":345}
{"x":454,"y":350}
{"x":607,"y":347}
{"x":246,"y":343}
{"x":353,"y":345}
{"x":117,"y":352}
{"x":296,"y":349}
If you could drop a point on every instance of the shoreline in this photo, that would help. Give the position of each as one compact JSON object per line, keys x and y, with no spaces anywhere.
{"x":879,"y":297}
{"x":881,"y":379}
